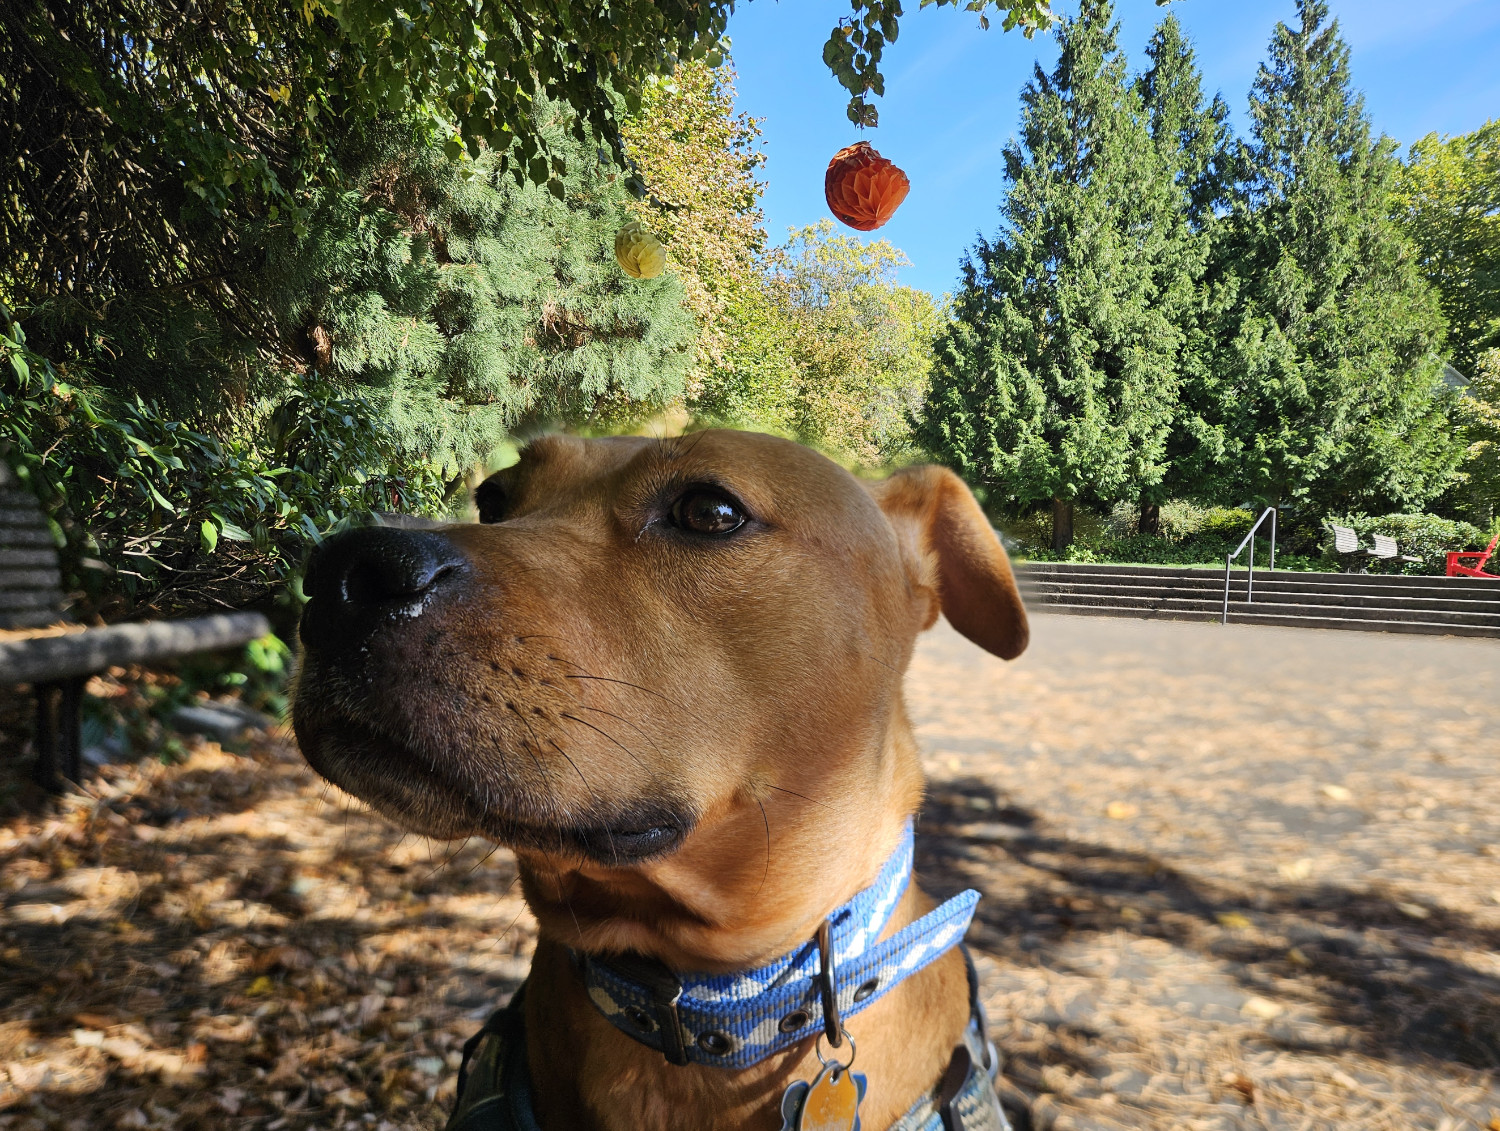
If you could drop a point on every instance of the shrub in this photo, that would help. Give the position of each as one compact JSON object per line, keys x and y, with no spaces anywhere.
{"x":153,"y":516}
{"x":1422,"y":535}
{"x":1191,"y":535}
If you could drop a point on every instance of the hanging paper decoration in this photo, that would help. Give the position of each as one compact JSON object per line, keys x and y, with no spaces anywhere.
{"x":639,"y":252}
{"x":863,"y":189}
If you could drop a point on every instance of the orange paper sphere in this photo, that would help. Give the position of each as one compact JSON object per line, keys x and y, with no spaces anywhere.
{"x":863,"y":189}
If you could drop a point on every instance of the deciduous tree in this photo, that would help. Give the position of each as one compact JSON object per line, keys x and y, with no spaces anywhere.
{"x":1447,"y":200}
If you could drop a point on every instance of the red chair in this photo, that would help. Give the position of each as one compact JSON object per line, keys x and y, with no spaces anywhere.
{"x":1456,"y":568}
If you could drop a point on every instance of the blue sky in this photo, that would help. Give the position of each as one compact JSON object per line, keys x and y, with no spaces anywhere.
{"x":952,"y":96}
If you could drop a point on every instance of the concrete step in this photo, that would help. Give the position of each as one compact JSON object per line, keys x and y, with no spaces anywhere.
{"x":1195,"y":575}
{"x":1435,"y":600}
{"x":1235,"y":617}
{"x":1456,"y":606}
{"x":1192,"y":605}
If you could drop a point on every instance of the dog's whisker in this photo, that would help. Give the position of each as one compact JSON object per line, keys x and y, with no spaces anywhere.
{"x":765,"y":820}
{"x":794,"y":793}
{"x":577,"y":926}
{"x":574,"y":764}
{"x":627,"y":683}
{"x":627,"y":722}
{"x":447,"y":862}
{"x":524,"y":722}
{"x":607,"y":735}
{"x":494,"y":848}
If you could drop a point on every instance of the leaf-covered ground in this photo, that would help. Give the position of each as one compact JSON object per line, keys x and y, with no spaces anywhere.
{"x":1233,"y":878}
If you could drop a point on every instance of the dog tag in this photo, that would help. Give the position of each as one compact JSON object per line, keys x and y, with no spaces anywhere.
{"x":829,"y":1103}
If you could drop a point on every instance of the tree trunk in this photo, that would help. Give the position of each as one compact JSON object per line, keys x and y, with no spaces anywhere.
{"x":1062,"y":524}
{"x":1150,"y":517}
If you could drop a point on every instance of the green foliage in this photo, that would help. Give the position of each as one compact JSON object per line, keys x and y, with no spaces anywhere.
{"x":1058,"y":377}
{"x":463,"y":305}
{"x":1324,"y":384}
{"x":1163,"y":316}
{"x":151,"y":122}
{"x":153,"y":516}
{"x":1447,"y":200}
{"x":1426,"y":536}
{"x":1477,"y":412}
{"x":700,"y":159}
{"x":1190,"y":535}
{"x":830,"y":348}
{"x":1193,"y":141}
{"x":856,"y":44}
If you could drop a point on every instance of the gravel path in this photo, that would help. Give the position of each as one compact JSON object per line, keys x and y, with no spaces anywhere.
{"x":1234,"y":877}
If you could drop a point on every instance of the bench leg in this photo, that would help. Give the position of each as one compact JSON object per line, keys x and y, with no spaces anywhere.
{"x":59,"y":734}
{"x":70,"y":729}
{"x":44,"y":769}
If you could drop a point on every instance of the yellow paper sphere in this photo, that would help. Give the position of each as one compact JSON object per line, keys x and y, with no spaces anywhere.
{"x":640,"y":253}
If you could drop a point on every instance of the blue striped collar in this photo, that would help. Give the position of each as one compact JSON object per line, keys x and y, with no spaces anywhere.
{"x":736,"y":1020}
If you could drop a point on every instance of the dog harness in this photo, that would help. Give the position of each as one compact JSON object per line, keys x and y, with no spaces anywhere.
{"x":737,"y":1020}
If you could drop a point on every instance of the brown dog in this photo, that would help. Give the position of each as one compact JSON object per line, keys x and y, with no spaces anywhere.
{"x":668,"y":674}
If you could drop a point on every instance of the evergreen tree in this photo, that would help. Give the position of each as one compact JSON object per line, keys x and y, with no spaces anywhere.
{"x":463,"y":304}
{"x":1192,"y":138}
{"x":1191,"y":132}
{"x":1057,"y":379}
{"x":1327,"y":365}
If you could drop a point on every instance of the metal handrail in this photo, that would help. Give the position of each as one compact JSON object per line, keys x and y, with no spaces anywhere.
{"x":1249,"y":540}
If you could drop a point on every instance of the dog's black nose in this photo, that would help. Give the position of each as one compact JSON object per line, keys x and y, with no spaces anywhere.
{"x":360,"y":577}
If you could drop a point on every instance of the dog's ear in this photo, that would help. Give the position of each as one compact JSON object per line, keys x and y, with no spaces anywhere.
{"x":952,"y":553}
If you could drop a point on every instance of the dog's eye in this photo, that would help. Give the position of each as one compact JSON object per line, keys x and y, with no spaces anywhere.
{"x":706,"y":511}
{"x":490,"y":500}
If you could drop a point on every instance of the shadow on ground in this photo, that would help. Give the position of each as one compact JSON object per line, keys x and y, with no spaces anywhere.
{"x":1393,"y":978}
{"x":216,"y":945}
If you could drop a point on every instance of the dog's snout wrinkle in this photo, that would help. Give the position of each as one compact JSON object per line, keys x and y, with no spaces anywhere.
{"x":361,"y":576}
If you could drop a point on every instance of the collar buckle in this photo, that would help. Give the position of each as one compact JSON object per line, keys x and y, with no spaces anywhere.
{"x":665,"y":989}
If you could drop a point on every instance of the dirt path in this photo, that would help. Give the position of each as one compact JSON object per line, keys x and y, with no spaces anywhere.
{"x":1233,"y":878}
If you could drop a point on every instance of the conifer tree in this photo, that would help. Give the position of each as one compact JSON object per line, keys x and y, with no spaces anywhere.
{"x":1058,"y":377}
{"x":1193,"y":139}
{"x":463,"y":304}
{"x":1327,"y":366}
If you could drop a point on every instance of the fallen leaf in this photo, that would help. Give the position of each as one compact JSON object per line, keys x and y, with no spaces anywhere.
{"x":1336,"y":793}
{"x":1296,"y":870}
{"x":1120,"y":810}
{"x":1233,"y":920}
{"x":1261,"y":1008}
{"x":1241,"y":1084}
{"x":1414,"y":910}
